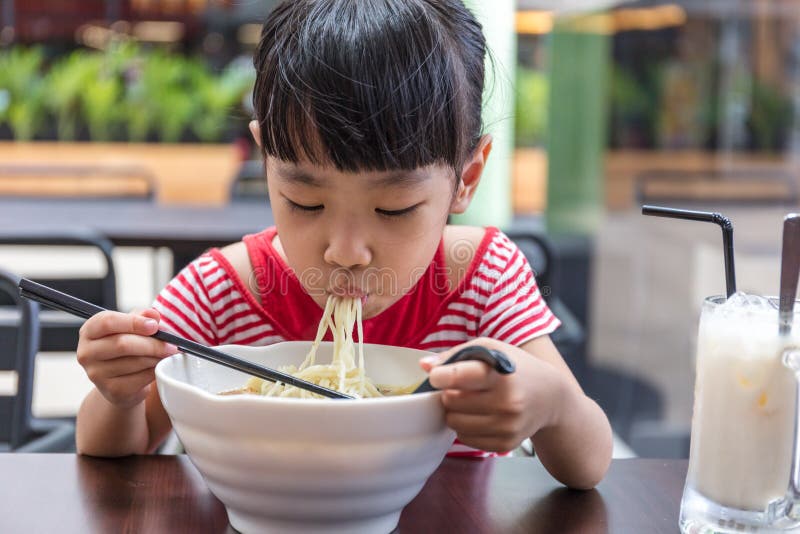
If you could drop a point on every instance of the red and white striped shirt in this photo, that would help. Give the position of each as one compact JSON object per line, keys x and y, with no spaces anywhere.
{"x":497,"y":297}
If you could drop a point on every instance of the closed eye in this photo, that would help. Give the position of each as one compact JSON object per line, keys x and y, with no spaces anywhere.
{"x":397,"y":213}
{"x":302,"y":207}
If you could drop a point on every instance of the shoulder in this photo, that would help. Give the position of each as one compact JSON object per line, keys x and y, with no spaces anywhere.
{"x":486,"y":253}
{"x":238,"y":257}
{"x":464,"y":245}
{"x":461,"y":243}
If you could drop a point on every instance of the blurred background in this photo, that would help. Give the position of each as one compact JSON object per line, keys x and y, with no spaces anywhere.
{"x":141,"y":106}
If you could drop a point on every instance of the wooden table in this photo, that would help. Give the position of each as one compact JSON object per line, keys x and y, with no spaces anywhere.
{"x":66,"y":493}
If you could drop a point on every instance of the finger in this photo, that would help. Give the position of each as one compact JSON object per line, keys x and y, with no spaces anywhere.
{"x":476,"y":425}
{"x":116,"y":346}
{"x":467,"y":375}
{"x":108,"y":323}
{"x":119,"y":367}
{"x":123,"y":387}
{"x":489,"y":443}
{"x":474,"y":402}
{"x":150,"y":313}
{"x":429,"y":362}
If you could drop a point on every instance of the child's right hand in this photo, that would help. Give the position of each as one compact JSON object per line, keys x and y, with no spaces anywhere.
{"x":119,"y":357}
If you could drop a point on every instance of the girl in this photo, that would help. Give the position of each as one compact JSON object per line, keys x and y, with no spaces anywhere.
{"x":368,"y":118}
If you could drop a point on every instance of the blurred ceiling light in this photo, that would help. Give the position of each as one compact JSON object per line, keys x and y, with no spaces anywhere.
{"x":600,"y":23}
{"x":197,"y":6}
{"x":249,"y":34}
{"x":535,"y":22}
{"x":94,"y":36}
{"x":654,"y":18}
{"x":171,"y":7}
{"x":571,"y":7}
{"x":156,"y":31}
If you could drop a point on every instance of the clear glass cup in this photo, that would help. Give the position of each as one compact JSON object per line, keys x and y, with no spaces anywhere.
{"x":743,"y":474}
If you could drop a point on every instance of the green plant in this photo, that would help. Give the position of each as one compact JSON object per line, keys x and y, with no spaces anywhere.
{"x":771,"y":116}
{"x":65,"y":85}
{"x":100,"y":98}
{"x":21,"y":80}
{"x":217,"y":97}
{"x":26,"y":115}
{"x":124,"y":92}
{"x":163,"y":96}
{"x":531,"y":107}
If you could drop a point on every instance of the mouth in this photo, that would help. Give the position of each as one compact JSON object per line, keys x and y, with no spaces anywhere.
{"x":349,"y":292}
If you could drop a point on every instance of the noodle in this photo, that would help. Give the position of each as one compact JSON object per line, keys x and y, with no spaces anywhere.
{"x":342,"y":374}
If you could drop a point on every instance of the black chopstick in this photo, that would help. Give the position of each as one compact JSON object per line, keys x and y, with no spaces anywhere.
{"x":75,"y":306}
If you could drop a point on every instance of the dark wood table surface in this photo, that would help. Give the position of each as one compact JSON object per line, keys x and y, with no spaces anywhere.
{"x":68,"y":493}
{"x":186,"y":230}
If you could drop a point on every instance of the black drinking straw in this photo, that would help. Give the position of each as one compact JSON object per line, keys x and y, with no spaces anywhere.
{"x":705,"y":216}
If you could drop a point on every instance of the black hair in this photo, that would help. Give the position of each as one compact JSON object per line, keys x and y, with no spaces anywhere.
{"x":370,"y":84}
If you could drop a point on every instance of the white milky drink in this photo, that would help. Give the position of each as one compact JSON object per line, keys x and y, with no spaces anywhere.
{"x":743,"y":424}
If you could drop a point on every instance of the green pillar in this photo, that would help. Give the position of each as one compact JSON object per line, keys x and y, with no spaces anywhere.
{"x":492,"y":202}
{"x":576,"y":138}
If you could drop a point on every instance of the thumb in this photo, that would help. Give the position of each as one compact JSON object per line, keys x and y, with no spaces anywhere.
{"x":150,"y":313}
{"x":429,"y":362}
{"x":145,"y":321}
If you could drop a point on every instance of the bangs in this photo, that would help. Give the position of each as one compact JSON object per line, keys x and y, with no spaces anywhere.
{"x":364,"y":86}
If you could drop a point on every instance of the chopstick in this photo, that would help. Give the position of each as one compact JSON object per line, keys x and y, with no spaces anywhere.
{"x":80,"y":308}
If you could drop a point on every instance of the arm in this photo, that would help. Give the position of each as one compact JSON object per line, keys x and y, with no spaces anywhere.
{"x":576,"y":447}
{"x":123,"y":415}
{"x":108,"y":430}
{"x":541,"y":400}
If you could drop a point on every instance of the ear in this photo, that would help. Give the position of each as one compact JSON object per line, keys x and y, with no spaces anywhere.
{"x":255,"y":130}
{"x":471,"y":175}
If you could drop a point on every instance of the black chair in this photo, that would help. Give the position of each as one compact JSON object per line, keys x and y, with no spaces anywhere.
{"x":19,"y":335}
{"x":59,"y":331}
{"x":250,"y":183}
{"x":569,"y":338}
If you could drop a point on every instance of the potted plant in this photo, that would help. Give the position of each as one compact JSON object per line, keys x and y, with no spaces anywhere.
{"x":165,"y":113}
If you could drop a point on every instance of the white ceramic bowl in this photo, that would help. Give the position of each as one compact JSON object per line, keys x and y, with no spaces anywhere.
{"x":295,"y":465}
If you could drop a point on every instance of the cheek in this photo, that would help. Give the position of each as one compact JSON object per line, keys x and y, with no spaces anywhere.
{"x":407,"y":260}
{"x":299,"y":242}
{"x":418,"y":230}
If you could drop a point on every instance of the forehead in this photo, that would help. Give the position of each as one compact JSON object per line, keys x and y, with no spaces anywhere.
{"x":316,"y":176}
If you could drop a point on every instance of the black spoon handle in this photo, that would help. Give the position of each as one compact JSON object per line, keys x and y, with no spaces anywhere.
{"x":493,"y":358}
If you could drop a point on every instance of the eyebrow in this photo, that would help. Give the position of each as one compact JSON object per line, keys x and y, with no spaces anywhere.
{"x":402,"y":179}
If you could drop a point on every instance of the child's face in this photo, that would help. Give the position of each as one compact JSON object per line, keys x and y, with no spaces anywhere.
{"x":359,"y":234}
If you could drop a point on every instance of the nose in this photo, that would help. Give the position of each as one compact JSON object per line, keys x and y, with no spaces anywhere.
{"x":346,"y":248}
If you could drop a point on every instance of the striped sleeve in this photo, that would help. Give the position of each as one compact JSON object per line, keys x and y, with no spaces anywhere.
{"x":514,"y":311}
{"x":185,"y":304}
{"x":205,"y":304}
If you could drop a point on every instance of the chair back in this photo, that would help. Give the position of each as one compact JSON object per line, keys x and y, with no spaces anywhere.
{"x":571,"y":336}
{"x":59,"y":331}
{"x":250,"y":183}
{"x":19,"y":340}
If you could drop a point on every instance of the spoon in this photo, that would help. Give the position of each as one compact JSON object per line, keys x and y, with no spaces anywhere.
{"x":790,"y":271}
{"x":493,"y":358}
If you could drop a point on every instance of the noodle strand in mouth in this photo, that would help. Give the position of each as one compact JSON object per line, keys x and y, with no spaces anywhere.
{"x":343,"y":374}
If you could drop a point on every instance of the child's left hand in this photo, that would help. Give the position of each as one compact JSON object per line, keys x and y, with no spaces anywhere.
{"x":495,"y":412}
